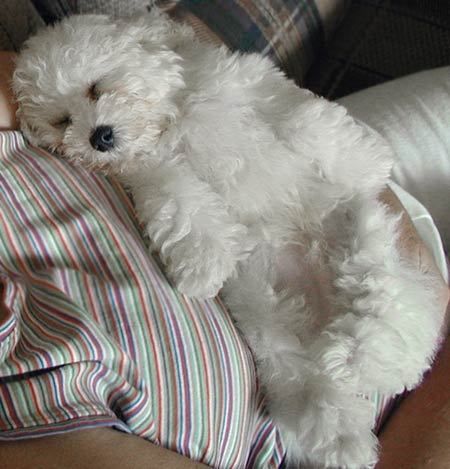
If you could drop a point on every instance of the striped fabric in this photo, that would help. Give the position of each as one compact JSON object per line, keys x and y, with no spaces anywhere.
{"x":93,"y":334}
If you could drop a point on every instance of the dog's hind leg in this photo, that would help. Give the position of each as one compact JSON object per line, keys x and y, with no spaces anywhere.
{"x":320,"y":420}
{"x":387,"y":335}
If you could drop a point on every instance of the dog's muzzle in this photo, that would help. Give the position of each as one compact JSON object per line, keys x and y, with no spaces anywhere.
{"x":102,"y":138}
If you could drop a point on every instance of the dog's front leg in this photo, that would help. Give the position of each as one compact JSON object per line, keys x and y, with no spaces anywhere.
{"x":191,"y":227}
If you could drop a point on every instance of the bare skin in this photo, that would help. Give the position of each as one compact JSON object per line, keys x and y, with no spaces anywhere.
{"x":416,"y":436}
{"x":7,"y":105}
{"x":90,"y":449}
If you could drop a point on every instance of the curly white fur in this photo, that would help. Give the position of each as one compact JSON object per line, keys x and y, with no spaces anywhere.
{"x":246,"y":182}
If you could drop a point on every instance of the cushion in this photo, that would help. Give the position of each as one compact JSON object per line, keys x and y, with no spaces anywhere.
{"x":291,"y":32}
{"x":379,"y":40}
{"x":52,"y":11}
{"x":288,"y":31}
{"x":18,"y":20}
{"x":413,"y":114}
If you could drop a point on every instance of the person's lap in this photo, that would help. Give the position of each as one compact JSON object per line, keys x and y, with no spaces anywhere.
{"x":178,"y":409}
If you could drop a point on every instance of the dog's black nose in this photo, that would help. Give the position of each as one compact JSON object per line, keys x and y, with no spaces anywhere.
{"x":102,"y":138}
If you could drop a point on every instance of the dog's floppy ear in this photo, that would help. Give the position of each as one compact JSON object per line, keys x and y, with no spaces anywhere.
{"x":156,"y":29}
{"x":27,"y":129}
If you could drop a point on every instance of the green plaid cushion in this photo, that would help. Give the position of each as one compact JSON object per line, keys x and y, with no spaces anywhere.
{"x":291,"y":32}
{"x":54,"y":10}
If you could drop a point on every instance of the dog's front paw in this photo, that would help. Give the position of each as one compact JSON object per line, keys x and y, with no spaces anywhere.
{"x":204,"y":275}
{"x":199,"y":268}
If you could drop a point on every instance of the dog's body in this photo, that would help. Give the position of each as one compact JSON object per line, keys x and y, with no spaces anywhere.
{"x":246,"y":182}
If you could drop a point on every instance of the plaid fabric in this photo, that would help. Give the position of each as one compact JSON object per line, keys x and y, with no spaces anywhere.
{"x":380,"y":40}
{"x":18,"y":20}
{"x":54,"y":10}
{"x":291,"y":32}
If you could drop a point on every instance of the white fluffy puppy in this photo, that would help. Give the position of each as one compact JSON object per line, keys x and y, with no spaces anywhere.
{"x":246,"y":182}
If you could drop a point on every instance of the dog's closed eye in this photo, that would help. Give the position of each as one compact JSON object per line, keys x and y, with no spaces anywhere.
{"x":63,"y":122}
{"x":93,"y":92}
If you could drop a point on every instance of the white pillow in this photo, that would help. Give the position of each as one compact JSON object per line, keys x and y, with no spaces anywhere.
{"x":413,"y":114}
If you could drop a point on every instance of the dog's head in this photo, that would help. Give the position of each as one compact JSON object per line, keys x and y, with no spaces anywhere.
{"x":97,"y":91}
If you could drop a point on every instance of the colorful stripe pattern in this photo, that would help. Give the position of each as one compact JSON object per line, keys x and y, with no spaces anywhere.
{"x":93,"y":334}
